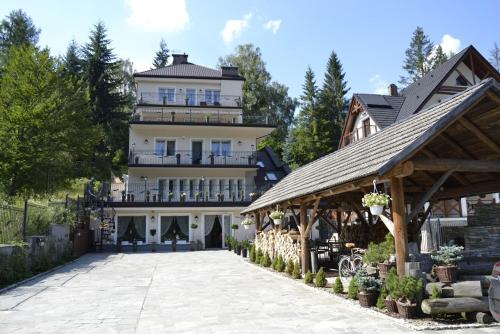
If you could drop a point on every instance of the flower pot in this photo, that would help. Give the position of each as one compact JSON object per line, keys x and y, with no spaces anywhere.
{"x":277,"y":221}
{"x":238,"y":250}
{"x":229,"y":248}
{"x":246,"y":227}
{"x":391,"y":306}
{"x":377,"y":210}
{"x":244,"y":252}
{"x":407,"y":311}
{"x":383,"y":269}
{"x":367,"y":299}
{"x":447,"y":274}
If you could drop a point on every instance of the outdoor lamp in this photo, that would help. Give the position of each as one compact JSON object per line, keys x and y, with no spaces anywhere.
{"x":196,"y":219}
{"x":146,"y":141}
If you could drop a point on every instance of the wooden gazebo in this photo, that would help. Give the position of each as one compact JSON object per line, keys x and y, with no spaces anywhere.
{"x":448,"y":151}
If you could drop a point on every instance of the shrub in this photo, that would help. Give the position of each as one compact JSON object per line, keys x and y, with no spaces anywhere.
{"x":296,"y":271}
{"x":320,"y":280}
{"x":308,"y":278}
{"x":266,"y":260}
{"x":258,"y":256}
{"x":380,"y":301}
{"x":448,"y":255}
{"x":352,"y":290}
{"x":407,"y":289}
{"x":378,"y":253}
{"x":280,"y":266}
{"x":245,"y":244}
{"x":338,"y":287}
{"x":274,"y":264}
{"x":252,"y":254}
{"x":289,"y":267}
{"x":391,"y":282}
{"x":435,"y":293}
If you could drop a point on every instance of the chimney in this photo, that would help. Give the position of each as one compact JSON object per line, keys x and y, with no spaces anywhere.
{"x":229,"y":71}
{"x":393,"y":90}
{"x":180,"y":59}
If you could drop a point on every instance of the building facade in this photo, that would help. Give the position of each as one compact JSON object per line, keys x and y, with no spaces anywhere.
{"x":193,"y":162}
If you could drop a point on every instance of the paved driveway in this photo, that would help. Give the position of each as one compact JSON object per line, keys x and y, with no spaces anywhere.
{"x":191,"y":292}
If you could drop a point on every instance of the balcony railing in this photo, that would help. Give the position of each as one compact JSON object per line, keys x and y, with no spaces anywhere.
{"x":163,"y":115}
{"x":190,"y":193}
{"x":359,"y":134}
{"x":183,"y":99}
{"x":188,"y":158}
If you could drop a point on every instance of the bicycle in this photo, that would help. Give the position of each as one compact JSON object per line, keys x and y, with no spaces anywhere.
{"x":349,"y":264}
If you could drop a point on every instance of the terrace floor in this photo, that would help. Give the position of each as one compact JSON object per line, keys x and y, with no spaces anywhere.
{"x":184,"y":292}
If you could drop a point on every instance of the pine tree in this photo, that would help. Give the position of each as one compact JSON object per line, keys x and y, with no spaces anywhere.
{"x":337,"y":286}
{"x":439,"y":57}
{"x":161,"y":58}
{"x":72,"y":61}
{"x":418,"y":59}
{"x":17,"y":29}
{"x":110,"y":107}
{"x":328,"y":121}
{"x":495,"y":57}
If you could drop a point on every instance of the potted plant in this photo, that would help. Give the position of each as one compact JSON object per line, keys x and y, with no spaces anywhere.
{"x":194,"y":226}
{"x":368,"y":288}
{"x":229,"y":243}
{"x":406,"y":291}
{"x":170,"y":196}
{"x":197,"y":196}
{"x":183,"y":197}
{"x":147,"y":195}
{"x":390,"y":283}
{"x":254,"y":196}
{"x":153,"y":243}
{"x":376,"y":202}
{"x":245,"y":244}
{"x":123,"y":196}
{"x":380,"y":254}
{"x":234,"y":227}
{"x":447,"y":258}
{"x":237,"y":246}
{"x":277,"y":216}
{"x":247,"y":222}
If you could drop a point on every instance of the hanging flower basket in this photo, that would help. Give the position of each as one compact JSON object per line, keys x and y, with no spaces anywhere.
{"x":247,"y":222}
{"x":376,"y":202}
{"x":277,"y":216}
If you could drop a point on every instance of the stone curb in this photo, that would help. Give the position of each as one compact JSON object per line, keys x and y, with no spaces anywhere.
{"x":26,"y":280}
{"x":402,"y":322}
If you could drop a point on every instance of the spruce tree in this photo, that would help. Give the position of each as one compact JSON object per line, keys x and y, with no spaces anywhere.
{"x":418,"y":59}
{"x":17,"y":29}
{"x":328,"y":119}
{"x":110,"y":107}
{"x":161,"y":58}
{"x":72,"y":61}
{"x":439,"y":57}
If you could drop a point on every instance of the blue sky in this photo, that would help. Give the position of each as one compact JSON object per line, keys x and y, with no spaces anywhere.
{"x":370,"y":37}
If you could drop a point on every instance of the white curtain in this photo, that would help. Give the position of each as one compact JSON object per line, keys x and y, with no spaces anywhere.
{"x":183,"y":223}
{"x":165,"y":224}
{"x":209,"y":223}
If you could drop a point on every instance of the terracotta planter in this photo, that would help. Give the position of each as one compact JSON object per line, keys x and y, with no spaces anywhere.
{"x":447,"y":274}
{"x":367,"y":299}
{"x":407,"y":311}
{"x":391,"y":306}
{"x":383,"y":269}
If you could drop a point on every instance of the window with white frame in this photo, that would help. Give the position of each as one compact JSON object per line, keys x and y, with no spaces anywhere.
{"x":166,"y":95}
{"x":191,"y":96}
{"x":221,"y":147}
{"x":160,"y":147}
{"x":170,"y":148}
{"x":212,"y":96}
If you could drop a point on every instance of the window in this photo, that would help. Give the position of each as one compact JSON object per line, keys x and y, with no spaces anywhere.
{"x":221,"y":147}
{"x":160,"y":147}
{"x":212,"y":96}
{"x":170,"y":148}
{"x":211,"y":188}
{"x":191,"y":97}
{"x":166,"y":95}
{"x":366,"y":127}
{"x":183,"y":185}
{"x":161,"y":189}
{"x":174,"y":227}
{"x":271,"y":177}
{"x":231,"y":189}
{"x":191,"y":188}
{"x":130,"y":228}
{"x":240,"y":188}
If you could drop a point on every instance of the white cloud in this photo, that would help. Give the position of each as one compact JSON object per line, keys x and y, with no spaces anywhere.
{"x":273,"y":25}
{"x":379,"y":84}
{"x":449,"y":44}
{"x":158,"y":15}
{"x":234,"y":28}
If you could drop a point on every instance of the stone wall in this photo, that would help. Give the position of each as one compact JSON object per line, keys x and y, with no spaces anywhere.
{"x":482,"y":234}
{"x":279,"y":243}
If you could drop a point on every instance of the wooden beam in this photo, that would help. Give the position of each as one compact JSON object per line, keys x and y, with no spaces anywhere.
{"x":428,"y":195}
{"x":388,"y":223}
{"x":472,"y":68}
{"x":424,"y":218}
{"x":470,"y":190}
{"x":493,"y":97}
{"x":458,"y":165}
{"x":304,"y":240}
{"x":257,"y":222}
{"x":400,"y":229}
{"x":313,"y":216}
{"x":479,"y":134}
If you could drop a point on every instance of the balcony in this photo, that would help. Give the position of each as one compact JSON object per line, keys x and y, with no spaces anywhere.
{"x":359,"y":134}
{"x":189,"y":159}
{"x":165,"y":116}
{"x":192,"y":100}
{"x":192,"y":195}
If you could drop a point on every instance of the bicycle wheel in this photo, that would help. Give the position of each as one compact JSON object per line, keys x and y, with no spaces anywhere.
{"x":345,"y":267}
{"x":357,"y":262}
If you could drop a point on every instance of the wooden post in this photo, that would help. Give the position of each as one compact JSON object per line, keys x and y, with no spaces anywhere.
{"x":304,"y":239}
{"x":257,"y":222}
{"x":399,"y":219}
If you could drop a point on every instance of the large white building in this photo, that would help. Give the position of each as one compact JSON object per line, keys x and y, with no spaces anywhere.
{"x":193,"y":159}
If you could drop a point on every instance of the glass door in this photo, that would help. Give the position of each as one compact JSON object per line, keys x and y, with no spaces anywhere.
{"x":196,"y":152}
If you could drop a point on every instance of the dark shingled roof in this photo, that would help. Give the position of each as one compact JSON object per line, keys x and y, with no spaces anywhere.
{"x":416,"y":93}
{"x":187,"y":71}
{"x":376,"y":154}
{"x":382,"y":115}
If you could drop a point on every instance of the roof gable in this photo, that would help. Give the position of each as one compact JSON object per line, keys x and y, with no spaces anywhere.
{"x":187,"y":71}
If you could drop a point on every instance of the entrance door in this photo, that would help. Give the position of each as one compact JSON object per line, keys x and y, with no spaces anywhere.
{"x":213,"y":231}
{"x":196,"y":151}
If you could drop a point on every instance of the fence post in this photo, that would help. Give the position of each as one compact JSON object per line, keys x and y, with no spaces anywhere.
{"x":25,"y":219}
